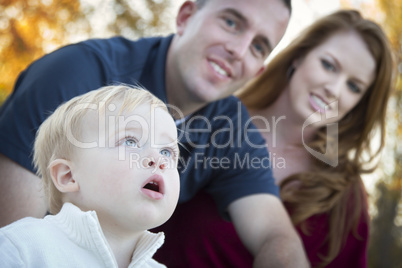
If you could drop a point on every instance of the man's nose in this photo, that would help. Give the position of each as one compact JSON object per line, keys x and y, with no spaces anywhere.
{"x":239,"y":46}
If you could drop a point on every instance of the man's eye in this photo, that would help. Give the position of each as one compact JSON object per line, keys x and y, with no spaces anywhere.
{"x":231,"y":23}
{"x":131,"y":142}
{"x":259,"y":49}
{"x":327,"y":65}
{"x":166,"y":153}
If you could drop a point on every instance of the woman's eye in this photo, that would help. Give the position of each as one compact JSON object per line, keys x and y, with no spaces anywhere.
{"x":131,"y":143}
{"x":353,"y":87}
{"x":166,"y":153}
{"x":327,"y":65}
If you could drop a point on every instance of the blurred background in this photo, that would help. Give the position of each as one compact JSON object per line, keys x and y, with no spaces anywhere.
{"x":31,"y":28}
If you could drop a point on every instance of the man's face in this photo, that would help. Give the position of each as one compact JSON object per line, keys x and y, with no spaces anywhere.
{"x":222,"y":45}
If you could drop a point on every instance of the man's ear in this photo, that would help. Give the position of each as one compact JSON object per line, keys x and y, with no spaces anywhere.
{"x":62,"y":176}
{"x":261,"y":70}
{"x":187,"y":9}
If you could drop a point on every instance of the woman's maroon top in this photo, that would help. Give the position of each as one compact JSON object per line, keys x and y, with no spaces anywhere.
{"x":198,"y":237}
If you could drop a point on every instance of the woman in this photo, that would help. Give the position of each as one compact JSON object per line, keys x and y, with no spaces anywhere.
{"x":341,"y":65}
{"x":328,"y":92}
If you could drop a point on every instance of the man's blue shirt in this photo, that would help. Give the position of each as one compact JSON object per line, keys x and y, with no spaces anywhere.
{"x":218,"y":143}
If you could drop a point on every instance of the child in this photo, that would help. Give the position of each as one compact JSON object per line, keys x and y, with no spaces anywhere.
{"x":108,"y":161}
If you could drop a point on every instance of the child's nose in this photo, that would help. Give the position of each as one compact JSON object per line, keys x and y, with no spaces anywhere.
{"x":152,"y":163}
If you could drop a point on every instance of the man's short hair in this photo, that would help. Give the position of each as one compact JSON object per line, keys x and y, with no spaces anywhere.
{"x":201,"y":3}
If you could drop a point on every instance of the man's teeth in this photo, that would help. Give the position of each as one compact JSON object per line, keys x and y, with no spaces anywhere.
{"x":319,"y":102}
{"x":218,"y":69}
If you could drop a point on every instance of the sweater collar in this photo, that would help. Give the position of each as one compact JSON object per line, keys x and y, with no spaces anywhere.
{"x":84,"y":229}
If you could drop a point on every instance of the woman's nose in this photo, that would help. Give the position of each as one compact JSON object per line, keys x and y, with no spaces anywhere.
{"x":333,"y":90}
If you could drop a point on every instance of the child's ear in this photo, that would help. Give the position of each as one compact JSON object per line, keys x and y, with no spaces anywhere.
{"x":61,"y":173}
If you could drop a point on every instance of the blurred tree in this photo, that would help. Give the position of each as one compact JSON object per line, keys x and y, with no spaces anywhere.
{"x":386,"y":233}
{"x":386,"y":239}
{"x":151,"y":17}
{"x":385,"y":246}
{"x":31,"y":28}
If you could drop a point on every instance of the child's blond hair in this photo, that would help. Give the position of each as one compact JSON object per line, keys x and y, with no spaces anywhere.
{"x":52,"y":140}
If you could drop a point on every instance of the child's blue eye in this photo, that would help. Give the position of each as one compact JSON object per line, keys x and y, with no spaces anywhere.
{"x":166,"y":152}
{"x":131,"y":142}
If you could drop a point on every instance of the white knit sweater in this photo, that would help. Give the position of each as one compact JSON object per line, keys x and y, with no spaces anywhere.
{"x":72,"y":238}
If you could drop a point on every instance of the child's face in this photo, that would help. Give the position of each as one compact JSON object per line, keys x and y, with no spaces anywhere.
{"x":130,"y":178}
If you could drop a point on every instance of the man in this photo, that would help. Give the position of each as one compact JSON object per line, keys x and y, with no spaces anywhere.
{"x":218,"y":47}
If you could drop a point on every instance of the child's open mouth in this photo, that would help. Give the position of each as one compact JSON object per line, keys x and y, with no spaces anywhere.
{"x":154,"y":187}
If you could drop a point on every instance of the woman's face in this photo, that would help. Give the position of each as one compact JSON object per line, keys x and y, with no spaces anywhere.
{"x":331,"y":79}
